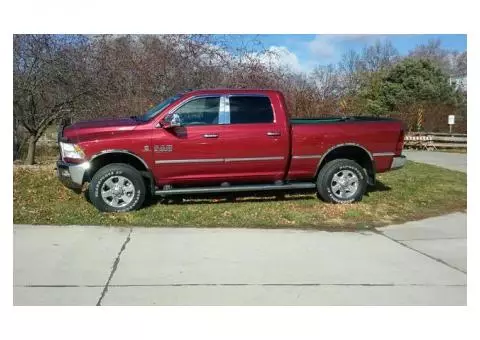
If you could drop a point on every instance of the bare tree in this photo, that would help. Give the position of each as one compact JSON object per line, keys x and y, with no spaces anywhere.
{"x":48,"y":82}
{"x":378,"y":56}
{"x":349,"y":67}
{"x":461,"y":64}
{"x":327,"y":80}
{"x":434,"y":51}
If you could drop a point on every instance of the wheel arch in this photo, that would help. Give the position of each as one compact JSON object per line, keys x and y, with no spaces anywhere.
{"x":105,"y":157}
{"x":352,"y":151}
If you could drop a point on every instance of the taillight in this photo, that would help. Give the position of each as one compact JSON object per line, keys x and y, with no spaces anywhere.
{"x":398,"y":149}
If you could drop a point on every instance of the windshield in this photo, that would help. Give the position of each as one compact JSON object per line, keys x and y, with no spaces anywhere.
{"x":152,"y":112}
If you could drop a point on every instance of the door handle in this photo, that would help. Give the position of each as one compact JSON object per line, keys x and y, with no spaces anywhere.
{"x":210,"y":135}
{"x":273,"y":134}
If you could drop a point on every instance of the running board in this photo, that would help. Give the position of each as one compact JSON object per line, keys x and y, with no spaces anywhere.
{"x":237,"y":188}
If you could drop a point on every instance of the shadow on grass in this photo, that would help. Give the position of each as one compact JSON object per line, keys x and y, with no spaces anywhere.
{"x":241,"y":197}
{"x":378,"y":187}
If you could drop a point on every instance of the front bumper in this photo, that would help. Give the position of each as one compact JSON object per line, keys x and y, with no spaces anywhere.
{"x":72,"y":175}
{"x":398,"y":162}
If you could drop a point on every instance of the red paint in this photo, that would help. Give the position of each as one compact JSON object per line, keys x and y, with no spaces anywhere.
{"x":236,"y":141}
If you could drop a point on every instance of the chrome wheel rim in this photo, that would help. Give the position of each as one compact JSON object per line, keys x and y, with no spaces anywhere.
{"x":117,"y":191}
{"x":344,"y":184}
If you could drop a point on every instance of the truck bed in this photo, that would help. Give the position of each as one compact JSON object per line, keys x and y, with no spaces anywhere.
{"x":313,"y":138}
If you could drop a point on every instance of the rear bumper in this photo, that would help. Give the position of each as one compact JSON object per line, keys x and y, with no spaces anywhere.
{"x":398,"y":162}
{"x":72,"y":175}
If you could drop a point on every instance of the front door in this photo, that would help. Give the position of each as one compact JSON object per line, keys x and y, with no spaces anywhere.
{"x":190,"y":153}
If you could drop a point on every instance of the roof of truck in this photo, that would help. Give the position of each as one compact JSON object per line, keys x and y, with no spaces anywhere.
{"x":230,"y":90}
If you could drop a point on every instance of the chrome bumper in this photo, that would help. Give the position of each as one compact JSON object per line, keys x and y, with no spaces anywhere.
{"x":398,"y":162}
{"x":72,"y":175}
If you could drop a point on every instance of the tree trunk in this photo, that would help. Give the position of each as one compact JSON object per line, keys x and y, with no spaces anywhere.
{"x":32,"y":143}
{"x":15,"y":139}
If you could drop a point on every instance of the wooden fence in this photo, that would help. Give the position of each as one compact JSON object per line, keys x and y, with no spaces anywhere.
{"x":433,"y":140}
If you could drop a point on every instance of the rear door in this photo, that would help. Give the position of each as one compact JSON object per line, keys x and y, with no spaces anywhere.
{"x":255,"y":144}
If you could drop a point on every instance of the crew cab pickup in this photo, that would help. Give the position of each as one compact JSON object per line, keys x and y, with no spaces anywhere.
{"x":225,"y":140}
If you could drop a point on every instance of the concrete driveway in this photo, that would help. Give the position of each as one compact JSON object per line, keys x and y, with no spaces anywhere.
{"x":419,"y":263}
{"x":452,"y":161}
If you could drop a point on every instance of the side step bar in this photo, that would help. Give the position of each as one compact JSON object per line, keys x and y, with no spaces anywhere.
{"x":237,"y":188}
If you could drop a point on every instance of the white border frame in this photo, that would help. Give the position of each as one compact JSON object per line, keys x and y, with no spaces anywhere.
{"x":346,"y":17}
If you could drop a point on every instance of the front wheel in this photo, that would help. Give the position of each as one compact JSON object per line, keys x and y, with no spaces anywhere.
{"x":341,"y":181}
{"x":117,"y":187}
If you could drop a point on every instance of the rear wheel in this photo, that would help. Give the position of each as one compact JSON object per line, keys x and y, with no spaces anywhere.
{"x":341,"y":181}
{"x":117,"y":187}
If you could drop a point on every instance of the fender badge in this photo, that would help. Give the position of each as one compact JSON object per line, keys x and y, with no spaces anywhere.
{"x":163,"y":148}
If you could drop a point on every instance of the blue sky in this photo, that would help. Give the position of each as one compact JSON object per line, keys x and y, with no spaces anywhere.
{"x":305,"y":51}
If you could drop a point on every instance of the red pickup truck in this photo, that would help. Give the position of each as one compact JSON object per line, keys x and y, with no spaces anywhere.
{"x":225,"y":140}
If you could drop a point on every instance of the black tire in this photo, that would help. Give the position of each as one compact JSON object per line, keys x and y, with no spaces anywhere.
{"x":136,"y":195}
{"x":345,"y":168}
{"x":319,"y":197}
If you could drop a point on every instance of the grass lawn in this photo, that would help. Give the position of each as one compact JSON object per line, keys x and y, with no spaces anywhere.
{"x":414,"y":192}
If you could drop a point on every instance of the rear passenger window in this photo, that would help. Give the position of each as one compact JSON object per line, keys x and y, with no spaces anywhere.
{"x":247,"y":110}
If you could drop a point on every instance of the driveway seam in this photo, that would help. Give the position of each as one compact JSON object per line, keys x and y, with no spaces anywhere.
{"x":253,"y":285}
{"x":114,"y":268}
{"x":422,"y":253}
{"x":432,"y":239}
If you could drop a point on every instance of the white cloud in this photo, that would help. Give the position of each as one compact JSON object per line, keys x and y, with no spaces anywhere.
{"x":322,"y":46}
{"x":282,"y":56}
{"x":327,"y":45}
{"x":279,"y":56}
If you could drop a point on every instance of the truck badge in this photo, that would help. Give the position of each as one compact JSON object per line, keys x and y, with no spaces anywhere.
{"x":163,"y":148}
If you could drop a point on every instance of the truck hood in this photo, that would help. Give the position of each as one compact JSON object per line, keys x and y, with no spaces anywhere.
{"x":94,"y":128}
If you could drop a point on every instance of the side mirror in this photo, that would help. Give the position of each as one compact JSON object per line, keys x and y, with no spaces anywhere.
{"x":174,"y":122}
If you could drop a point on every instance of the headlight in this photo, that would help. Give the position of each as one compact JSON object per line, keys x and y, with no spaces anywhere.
{"x":71,"y":151}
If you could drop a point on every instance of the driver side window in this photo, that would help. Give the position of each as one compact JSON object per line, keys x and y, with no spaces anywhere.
{"x":200,"y":111}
